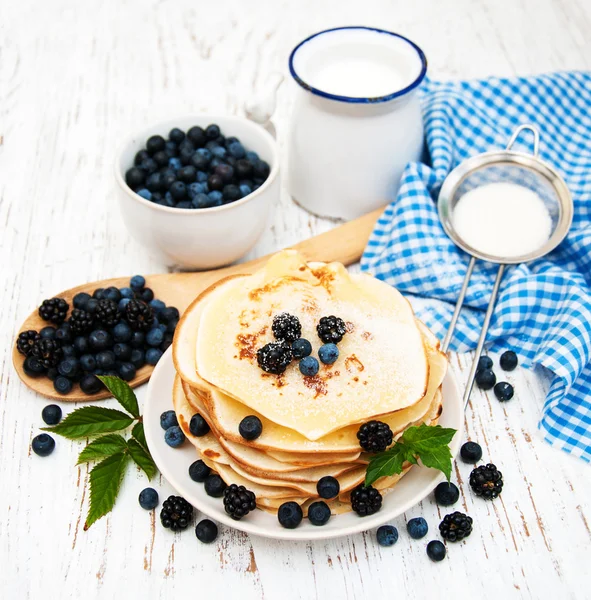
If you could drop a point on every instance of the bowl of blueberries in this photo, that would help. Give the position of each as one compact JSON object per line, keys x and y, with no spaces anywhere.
{"x":196,"y":191}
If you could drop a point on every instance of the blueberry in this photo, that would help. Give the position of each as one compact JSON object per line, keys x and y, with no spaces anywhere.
{"x":153,"y":183}
{"x":485,"y":379}
{"x":88,"y":362}
{"x":187,"y":174}
{"x":122,"y":332}
{"x":91,"y":305}
{"x":99,"y":294}
{"x":250,"y":428}
{"x":154,"y":144}
{"x":199,"y":471}
{"x":236,"y":149}
{"x":147,"y":295}
{"x":503,"y":391}
{"x":157,"y":305}
{"x":122,"y":352}
{"x":64,"y":333}
{"x":215,"y":182}
{"x":137,"y":358}
{"x":309,"y":366}
{"x":176,"y":135}
{"x":81,"y":344}
{"x":148,"y":498}
{"x":417,"y":528}
{"x":174,"y":436}
{"x":170,"y":313}
{"x":290,"y":515}
{"x":149,"y":165}
{"x":226,"y":172}
{"x":206,"y":531}
{"x":215,"y":162}
{"x":328,"y":487}
{"x":153,"y":355}
{"x":62,"y":385}
{"x":212,"y":131}
{"x":508,"y":360}
{"x":197,"y":136}
{"x":252,"y":156}
{"x":137,"y":283}
{"x":178,"y":190}
{"x":48,"y":333}
{"x":68,"y":367}
{"x":201,"y":201}
{"x":200,"y":160}
{"x":171,"y":149}
{"x":175,"y":163}
{"x":328,"y":353}
{"x":202,"y":177}
{"x":51,"y":374}
{"x":301,"y":348}
{"x":215,"y":198}
{"x":436,"y":550}
{"x":141,"y":155}
{"x":113,"y":293}
{"x":69,"y":351}
{"x":138,"y":339}
{"x":231,"y":193}
{"x":162,"y":327}
{"x":51,"y":414}
{"x":243,"y":168}
{"x":168,"y":419}
{"x":471,"y":452}
{"x":161,"y":158}
{"x":214,"y":486}
{"x":135,"y":177}
{"x":198,"y":425}
{"x":80,"y":300}
{"x":318,"y":513}
{"x":105,"y":359}
{"x":484,"y":362}
{"x":90,"y":384}
{"x":43,"y":444}
{"x":33,"y":367}
{"x":261,"y":169}
{"x":387,"y":535}
{"x":244,"y":190}
{"x":122,"y":304}
{"x":126,"y":371}
{"x":194,"y":189}
{"x":218,"y":152}
{"x":446,"y":494}
{"x":186,"y":154}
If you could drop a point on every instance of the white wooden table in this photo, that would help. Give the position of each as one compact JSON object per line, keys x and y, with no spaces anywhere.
{"x":75,"y":77}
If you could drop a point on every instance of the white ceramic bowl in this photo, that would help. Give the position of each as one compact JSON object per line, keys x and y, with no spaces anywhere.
{"x":205,"y":238}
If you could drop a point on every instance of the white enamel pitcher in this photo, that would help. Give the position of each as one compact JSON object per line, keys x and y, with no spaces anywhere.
{"x":347,"y":151}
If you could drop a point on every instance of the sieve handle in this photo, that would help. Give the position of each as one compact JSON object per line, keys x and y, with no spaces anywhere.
{"x":459,"y":303}
{"x":482,"y":339}
{"x":526,"y":127}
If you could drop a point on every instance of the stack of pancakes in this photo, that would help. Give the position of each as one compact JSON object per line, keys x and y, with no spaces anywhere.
{"x":389,"y":368}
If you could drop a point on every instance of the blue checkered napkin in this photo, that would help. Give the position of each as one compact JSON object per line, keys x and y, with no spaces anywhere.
{"x":544,"y":308}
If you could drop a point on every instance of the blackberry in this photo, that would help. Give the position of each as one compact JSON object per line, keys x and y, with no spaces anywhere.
{"x":139,"y":315}
{"x":238,"y":501}
{"x":375,"y":436}
{"x":81,"y":321}
{"x":365,"y":501}
{"x":331,"y":329}
{"x":274,"y":358}
{"x":54,"y":310}
{"x":286,"y":327}
{"x":176,"y":513}
{"x":486,"y":481}
{"x":455,"y":527}
{"x":26,"y":340}
{"x":47,"y":352}
{"x":107,"y":313}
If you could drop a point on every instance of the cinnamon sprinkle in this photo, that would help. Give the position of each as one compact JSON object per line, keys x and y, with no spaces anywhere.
{"x":317,"y":384}
{"x":353,"y":362}
{"x":247,"y":343}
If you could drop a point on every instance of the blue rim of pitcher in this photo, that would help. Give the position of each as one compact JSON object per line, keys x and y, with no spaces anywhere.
{"x":350,"y":99}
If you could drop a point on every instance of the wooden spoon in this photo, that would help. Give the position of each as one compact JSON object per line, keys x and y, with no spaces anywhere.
{"x":344,"y":243}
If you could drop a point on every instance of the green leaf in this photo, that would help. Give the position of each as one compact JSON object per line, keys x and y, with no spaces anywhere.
{"x":439,"y":459}
{"x":91,"y":420}
{"x":386,"y":463}
{"x":142,"y":458}
{"x":105,"y":481}
{"x":138,"y":433}
{"x":428,"y":437}
{"x":106,"y":445}
{"x":122,"y":393}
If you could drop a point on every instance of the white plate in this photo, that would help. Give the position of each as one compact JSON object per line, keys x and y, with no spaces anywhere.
{"x":174,"y":465}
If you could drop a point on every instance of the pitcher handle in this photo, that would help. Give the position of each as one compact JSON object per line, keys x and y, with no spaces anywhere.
{"x":261,"y":107}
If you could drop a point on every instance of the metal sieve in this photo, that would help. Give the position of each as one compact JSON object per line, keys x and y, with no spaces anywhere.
{"x":493,"y":167}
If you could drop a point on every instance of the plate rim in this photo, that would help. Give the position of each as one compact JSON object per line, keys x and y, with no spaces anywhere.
{"x":151,"y":419}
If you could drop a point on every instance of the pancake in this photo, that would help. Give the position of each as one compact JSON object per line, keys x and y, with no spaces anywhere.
{"x":382,"y":366}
